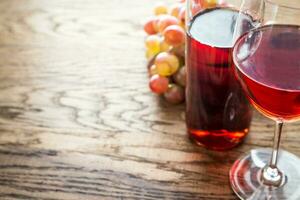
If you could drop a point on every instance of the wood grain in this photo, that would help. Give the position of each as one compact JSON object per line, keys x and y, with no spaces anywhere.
{"x":77,"y":120}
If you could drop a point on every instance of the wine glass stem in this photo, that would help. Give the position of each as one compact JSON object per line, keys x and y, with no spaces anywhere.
{"x":271,"y":174}
{"x":277,"y":138}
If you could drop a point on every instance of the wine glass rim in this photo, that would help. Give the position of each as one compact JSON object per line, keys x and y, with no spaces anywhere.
{"x":281,"y":5}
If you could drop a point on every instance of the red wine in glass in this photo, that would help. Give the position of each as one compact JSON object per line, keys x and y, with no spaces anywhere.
{"x":218,"y":114}
{"x":268,"y":65}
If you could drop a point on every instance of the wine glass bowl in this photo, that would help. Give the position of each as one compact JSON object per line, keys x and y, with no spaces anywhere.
{"x":267,"y":65}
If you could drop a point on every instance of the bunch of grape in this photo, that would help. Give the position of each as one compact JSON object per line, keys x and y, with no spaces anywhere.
{"x":165,"y":44}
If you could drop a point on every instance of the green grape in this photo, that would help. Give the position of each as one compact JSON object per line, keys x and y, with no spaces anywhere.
{"x":174,"y":63}
{"x":175,"y":9}
{"x":166,"y":63}
{"x":153,"y":70}
{"x":164,"y":69}
{"x":181,"y":15}
{"x":164,"y":46}
{"x":160,"y":9}
{"x":150,"y":54}
{"x":152,"y":43}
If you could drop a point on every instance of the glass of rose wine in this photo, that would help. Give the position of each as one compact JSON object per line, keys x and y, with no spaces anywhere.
{"x":218,"y":114}
{"x":267,"y":64}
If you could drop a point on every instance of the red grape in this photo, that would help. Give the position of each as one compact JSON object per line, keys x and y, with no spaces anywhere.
{"x":174,"y":35}
{"x":178,"y":50}
{"x":158,"y":84}
{"x":150,"y":25}
{"x":165,"y":21}
{"x":174,"y":94}
{"x":180,"y":76}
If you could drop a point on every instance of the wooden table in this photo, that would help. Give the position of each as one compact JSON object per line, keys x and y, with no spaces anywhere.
{"x":77,"y":120}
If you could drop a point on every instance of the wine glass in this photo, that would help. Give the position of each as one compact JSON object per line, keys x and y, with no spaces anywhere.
{"x":267,"y":64}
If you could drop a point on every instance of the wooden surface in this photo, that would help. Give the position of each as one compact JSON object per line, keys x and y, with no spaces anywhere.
{"x":77,"y":120}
